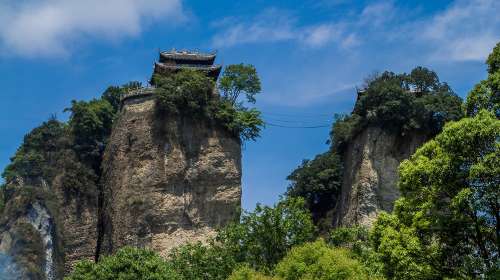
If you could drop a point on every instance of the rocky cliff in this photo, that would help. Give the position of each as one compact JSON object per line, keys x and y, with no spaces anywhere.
{"x":371,"y":161}
{"x":45,"y":229}
{"x":164,"y":180}
{"x":167,"y":179}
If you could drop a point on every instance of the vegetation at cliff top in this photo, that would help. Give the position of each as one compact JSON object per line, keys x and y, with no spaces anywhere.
{"x":191,"y":93}
{"x":399,"y":103}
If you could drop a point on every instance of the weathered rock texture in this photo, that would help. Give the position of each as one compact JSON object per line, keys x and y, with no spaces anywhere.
{"x":167,"y":179}
{"x":78,"y":222}
{"x":47,"y":230}
{"x":30,"y":236}
{"x":371,"y":163}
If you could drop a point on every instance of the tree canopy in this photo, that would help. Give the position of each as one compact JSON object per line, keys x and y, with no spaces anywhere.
{"x":264,"y":236}
{"x":400,"y":103}
{"x":314,"y":260}
{"x":237,"y":79}
{"x":447,"y":221}
{"x":190,"y":92}
{"x":486,"y":94}
{"x":127,"y":264}
{"x":318,"y":181}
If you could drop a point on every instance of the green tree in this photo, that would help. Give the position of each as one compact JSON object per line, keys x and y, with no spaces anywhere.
{"x":187,"y":92}
{"x":199,"y":262}
{"x":264,"y":236}
{"x":36,"y":157}
{"x":356,"y":239}
{"x":318,"y":181}
{"x":190,"y":93}
{"x":450,"y":196}
{"x":127,"y":264}
{"x":486,"y":94}
{"x":237,"y":79}
{"x":319,"y":261}
{"x":245,"y":272}
{"x":90,"y":126}
{"x":399,"y":103}
{"x":400,"y":251}
{"x":493,"y":60}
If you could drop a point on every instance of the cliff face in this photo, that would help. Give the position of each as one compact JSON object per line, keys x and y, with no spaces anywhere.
{"x":46,"y":230}
{"x":166,"y":180}
{"x":78,"y":222}
{"x":30,"y":234}
{"x":371,"y":162}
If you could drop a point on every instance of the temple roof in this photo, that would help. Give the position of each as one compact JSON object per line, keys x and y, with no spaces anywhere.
{"x":211,"y":70}
{"x":187,"y":57}
{"x":173,"y":61}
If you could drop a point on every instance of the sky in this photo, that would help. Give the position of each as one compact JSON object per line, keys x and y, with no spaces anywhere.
{"x":310,"y":55}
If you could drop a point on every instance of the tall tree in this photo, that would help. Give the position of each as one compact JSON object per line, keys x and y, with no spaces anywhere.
{"x":237,"y":79}
{"x":486,"y":94}
{"x":450,"y":203}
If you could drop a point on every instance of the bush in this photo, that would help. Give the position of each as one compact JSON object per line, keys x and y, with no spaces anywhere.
{"x":319,"y":261}
{"x":187,"y":92}
{"x":90,"y":124}
{"x":127,"y":264}
{"x":198,"y":261}
{"x":244,"y":272}
{"x":263,"y":237}
{"x":401,"y":252}
{"x":191,"y":93}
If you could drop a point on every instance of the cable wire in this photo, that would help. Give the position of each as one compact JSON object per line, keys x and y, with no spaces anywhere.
{"x":287,"y":126}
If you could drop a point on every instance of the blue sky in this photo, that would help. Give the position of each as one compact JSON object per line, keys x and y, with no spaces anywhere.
{"x":310,"y":55}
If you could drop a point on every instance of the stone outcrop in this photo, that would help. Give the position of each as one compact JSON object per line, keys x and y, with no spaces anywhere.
{"x":46,"y":230}
{"x":30,"y":236}
{"x":371,"y":162}
{"x":78,"y":222}
{"x":167,"y":179}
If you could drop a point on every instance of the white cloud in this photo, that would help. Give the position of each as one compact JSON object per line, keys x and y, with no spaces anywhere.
{"x":274,"y":26}
{"x":52,"y":27}
{"x":465,"y":31}
{"x":269,"y":26}
{"x":317,"y":36}
{"x":377,"y":13}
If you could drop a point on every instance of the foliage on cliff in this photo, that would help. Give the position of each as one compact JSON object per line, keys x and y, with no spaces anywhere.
{"x":37,"y":154}
{"x":73,"y":149}
{"x":486,"y":94}
{"x":401,"y":103}
{"x":318,"y":181}
{"x":191,"y":93}
{"x":67,"y":152}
